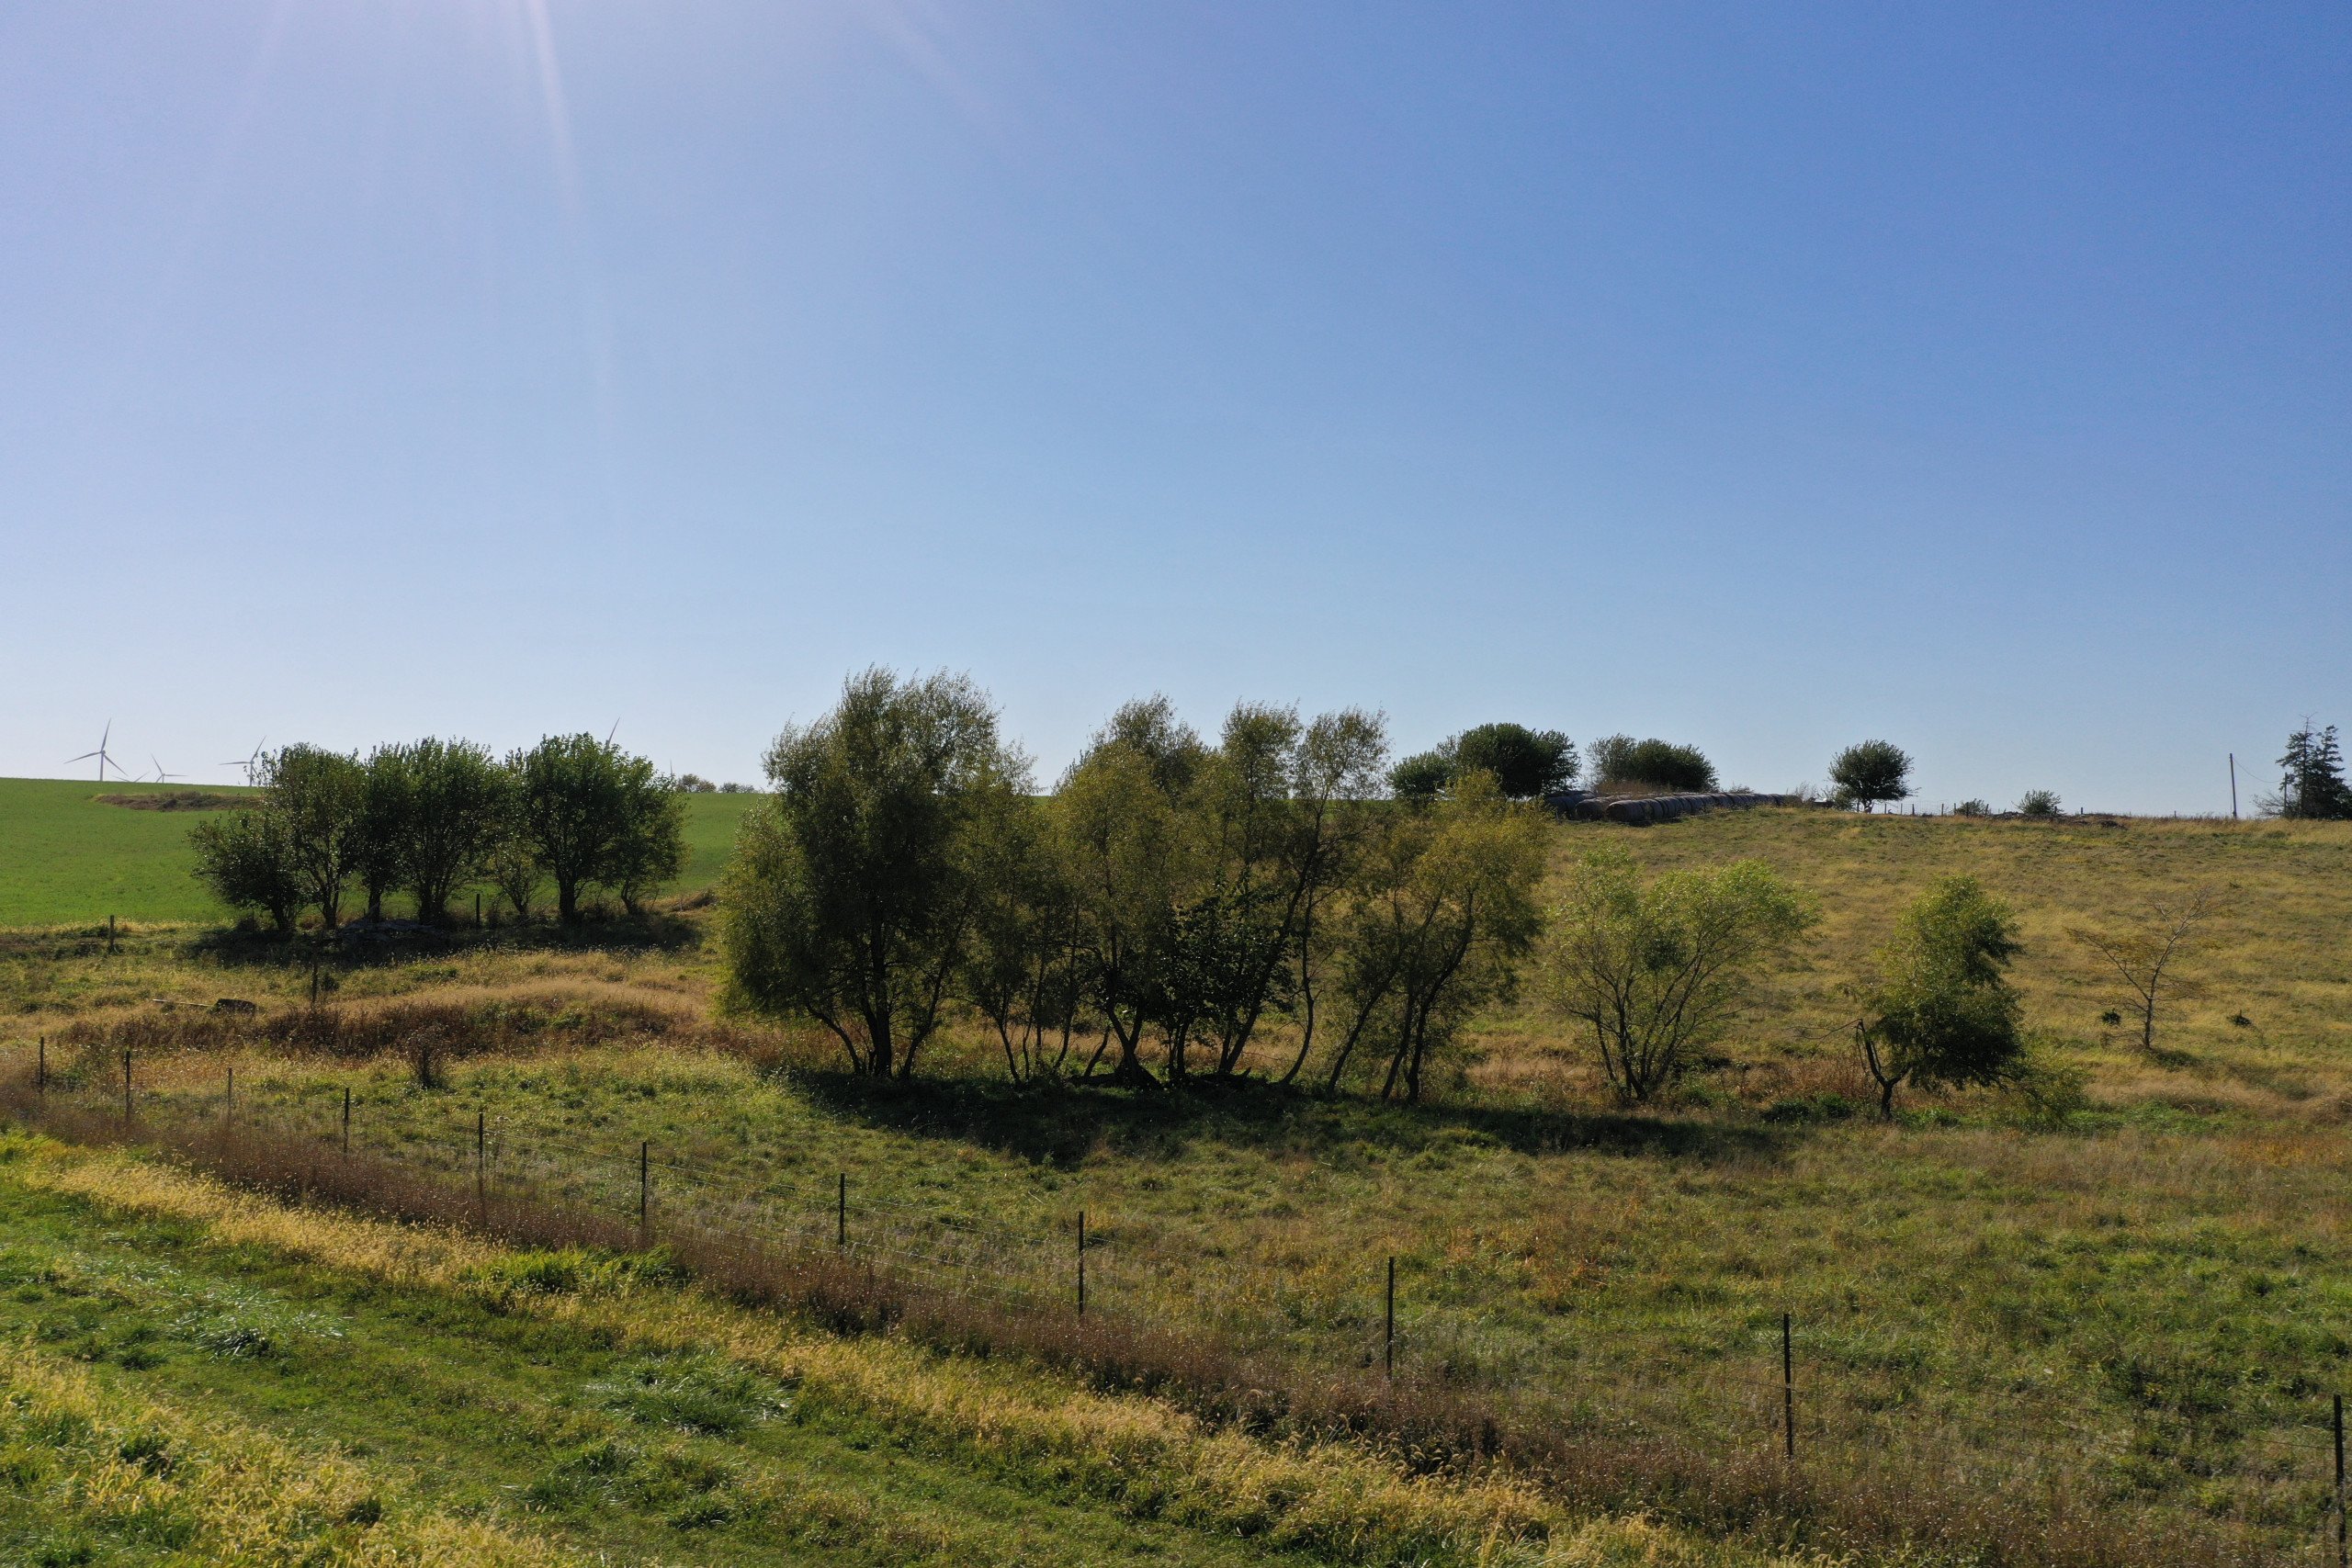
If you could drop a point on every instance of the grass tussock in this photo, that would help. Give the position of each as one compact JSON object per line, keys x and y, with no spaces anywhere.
{"x":98,"y":1474}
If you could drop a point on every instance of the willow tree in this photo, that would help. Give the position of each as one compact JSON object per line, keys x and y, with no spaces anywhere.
{"x":854,"y":886}
{"x":1654,"y":968}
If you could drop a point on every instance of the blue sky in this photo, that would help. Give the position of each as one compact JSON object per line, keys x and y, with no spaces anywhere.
{"x":1760,"y":377}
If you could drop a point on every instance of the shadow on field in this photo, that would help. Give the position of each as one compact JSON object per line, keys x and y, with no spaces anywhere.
{"x":359,"y":944}
{"x":1060,"y":1124}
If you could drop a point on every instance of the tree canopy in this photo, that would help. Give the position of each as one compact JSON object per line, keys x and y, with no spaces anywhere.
{"x":1938,"y":1008}
{"x":1871,"y":771}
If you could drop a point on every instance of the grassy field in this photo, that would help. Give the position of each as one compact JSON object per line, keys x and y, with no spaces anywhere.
{"x":2137,"y":1295}
{"x":67,"y":857}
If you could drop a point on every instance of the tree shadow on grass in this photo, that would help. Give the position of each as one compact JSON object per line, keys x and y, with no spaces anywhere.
{"x":1060,"y":1124}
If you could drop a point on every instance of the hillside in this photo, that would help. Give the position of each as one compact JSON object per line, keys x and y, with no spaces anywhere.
{"x":2100,"y":1325}
{"x":68,"y":857}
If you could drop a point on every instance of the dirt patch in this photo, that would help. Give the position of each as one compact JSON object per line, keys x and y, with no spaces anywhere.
{"x":179,"y":800}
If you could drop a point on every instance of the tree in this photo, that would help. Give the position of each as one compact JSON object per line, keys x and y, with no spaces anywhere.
{"x":514,"y":864}
{"x":649,"y":849}
{"x":571,"y":806}
{"x":1421,"y":776}
{"x":316,"y":797}
{"x":853,"y":889}
{"x":1655,"y":969}
{"x":1620,"y":760}
{"x":1940,"y":1009}
{"x":1440,"y":920}
{"x":1022,"y":967}
{"x":2142,"y":954}
{"x":2313,"y":786}
{"x":1870,"y":772}
{"x":1335,"y":778}
{"x":2041,"y":804}
{"x":459,"y":802}
{"x":379,"y":832}
{"x":1526,"y":763}
{"x":1130,"y":854}
{"x":245,"y":861}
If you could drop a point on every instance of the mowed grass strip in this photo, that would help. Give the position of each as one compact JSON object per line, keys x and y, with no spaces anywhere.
{"x":69,"y":858}
{"x":94,"y":1469}
{"x":624,"y":1412}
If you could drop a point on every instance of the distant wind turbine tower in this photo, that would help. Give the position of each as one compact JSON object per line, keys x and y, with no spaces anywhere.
{"x":252,"y":764}
{"x":105,"y":757}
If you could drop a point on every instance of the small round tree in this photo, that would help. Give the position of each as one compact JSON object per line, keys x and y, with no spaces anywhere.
{"x":2037,"y":803}
{"x":1870,"y":772}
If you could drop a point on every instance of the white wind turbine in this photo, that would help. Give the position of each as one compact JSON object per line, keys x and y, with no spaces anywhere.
{"x":105,"y":757}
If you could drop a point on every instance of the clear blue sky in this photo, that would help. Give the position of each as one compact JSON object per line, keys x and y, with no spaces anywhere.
{"x":1761,"y":377}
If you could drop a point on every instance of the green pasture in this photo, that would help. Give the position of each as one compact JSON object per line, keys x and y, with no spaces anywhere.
{"x":67,"y":857}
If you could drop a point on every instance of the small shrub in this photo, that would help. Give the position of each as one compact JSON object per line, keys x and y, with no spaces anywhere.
{"x":1972,"y":808}
{"x":2037,"y":803}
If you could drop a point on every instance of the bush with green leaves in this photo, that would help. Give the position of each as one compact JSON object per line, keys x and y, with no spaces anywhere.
{"x":1619,"y":762}
{"x":1656,"y":968}
{"x":1526,"y":764}
{"x":1938,"y":1009}
{"x":1972,"y":807}
{"x":245,"y":860}
{"x":2037,"y":803}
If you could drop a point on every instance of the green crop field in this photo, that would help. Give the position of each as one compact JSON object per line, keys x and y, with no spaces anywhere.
{"x":2093,"y":1324}
{"x":69,"y":858}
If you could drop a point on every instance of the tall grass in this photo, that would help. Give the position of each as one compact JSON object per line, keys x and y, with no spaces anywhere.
{"x":1841,"y":1498}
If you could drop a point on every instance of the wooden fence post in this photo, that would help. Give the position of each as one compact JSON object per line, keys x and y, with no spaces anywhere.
{"x":840,"y":1215}
{"x":644,"y":1192}
{"x":347,"y":1121}
{"x":1082,"y":1263}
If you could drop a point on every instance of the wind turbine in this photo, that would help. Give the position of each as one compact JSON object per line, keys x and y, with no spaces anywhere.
{"x":161,"y":776}
{"x":106,"y":757}
{"x":253,"y":763}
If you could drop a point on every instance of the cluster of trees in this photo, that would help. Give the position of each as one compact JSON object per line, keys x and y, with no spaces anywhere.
{"x":1174,"y":896}
{"x":1171,"y":892}
{"x":432,"y":816}
{"x":1528,"y":765}
{"x":2312,"y":782}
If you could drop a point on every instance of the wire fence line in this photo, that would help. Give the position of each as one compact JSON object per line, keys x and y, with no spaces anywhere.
{"x":2294,"y":1477}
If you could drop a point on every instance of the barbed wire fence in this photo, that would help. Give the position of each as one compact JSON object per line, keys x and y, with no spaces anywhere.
{"x":2295,"y":1473}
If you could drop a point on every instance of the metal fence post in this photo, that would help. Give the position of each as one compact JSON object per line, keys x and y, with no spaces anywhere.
{"x":1388,"y":1343}
{"x":644,"y":1192}
{"x":1788,"y":1388}
{"x":2341,"y":1542}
